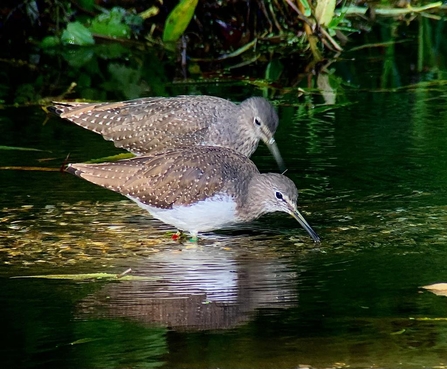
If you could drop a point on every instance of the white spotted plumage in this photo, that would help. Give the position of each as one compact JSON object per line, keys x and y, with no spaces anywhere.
{"x":144,"y":126}
{"x":197,"y":189}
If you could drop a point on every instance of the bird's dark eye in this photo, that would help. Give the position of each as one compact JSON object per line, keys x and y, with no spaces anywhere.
{"x":278,"y":195}
{"x":257,"y":121}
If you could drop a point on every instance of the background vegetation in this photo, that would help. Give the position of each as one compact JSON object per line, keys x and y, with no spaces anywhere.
{"x":123,"y":49}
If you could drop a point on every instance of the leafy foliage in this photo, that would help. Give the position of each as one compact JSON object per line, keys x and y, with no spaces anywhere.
{"x":77,"y":34}
{"x":178,"y":20}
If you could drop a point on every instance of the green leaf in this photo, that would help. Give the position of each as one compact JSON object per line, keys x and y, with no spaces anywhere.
{"x":84,"y":340}
{"x":324,"y":11}
{"x":178,"y":20}
{"x":77,"y":34}
{"x":111,"y":23}
{"x":124,"y":155}
{"x":90,"y":276}
{"x":49,"y":42}
{"x":87,"y":4}
{"x":18,"y":148}
{"x":307,"y":8}
{"x":78,"y":56}
{"x":274,"y":70}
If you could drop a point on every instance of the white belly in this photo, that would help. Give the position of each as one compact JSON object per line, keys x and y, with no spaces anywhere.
{"x":213,"y":213}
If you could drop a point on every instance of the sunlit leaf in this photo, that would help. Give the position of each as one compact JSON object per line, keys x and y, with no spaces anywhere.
{"x":77,"y":34}
{"x":239,"y":51}
{"x":324,"y":11}
{"x":178,"y":20}
{"x":430,"y":319}
{"x":307,"y":9}
{"x":124,"y":155}
{"x":150,"y":12}
{"x":87,"y":276}
{"x":392,"y":12}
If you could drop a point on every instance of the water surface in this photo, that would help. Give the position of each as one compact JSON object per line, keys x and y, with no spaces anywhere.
{"x":371,"y":175}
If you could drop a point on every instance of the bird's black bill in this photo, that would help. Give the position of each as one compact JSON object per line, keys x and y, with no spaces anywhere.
{"x":273,"y":147}
{"x":297,"y":215}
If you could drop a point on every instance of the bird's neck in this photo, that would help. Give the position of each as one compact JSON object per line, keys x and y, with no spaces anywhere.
{"x":246,"y":137}
{"x":253,"y":205}
{"x":235,"y":133}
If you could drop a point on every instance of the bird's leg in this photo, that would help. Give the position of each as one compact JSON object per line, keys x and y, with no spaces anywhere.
{"x":177,"y":236}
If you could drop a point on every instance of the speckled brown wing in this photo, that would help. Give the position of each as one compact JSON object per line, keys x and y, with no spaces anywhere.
{"x":177,"y":177}
{"x":150,"y":124}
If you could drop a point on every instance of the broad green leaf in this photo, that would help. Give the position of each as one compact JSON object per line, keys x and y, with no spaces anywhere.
{"x":77,"y":34}
{"x":78,"y":56}
{"x":324,"y":11}
{"x":178,"y":20}
{"x":111,"y":23}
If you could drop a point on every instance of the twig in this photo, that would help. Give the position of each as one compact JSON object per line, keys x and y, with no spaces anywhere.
{"x":301,"y":16}
{"x":127,"y":271}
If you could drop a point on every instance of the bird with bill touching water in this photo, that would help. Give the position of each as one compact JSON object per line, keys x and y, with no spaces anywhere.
{"x":153,"y":124}
{"x":197,"y":189}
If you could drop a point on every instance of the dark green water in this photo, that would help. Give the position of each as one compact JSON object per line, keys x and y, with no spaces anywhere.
{"x":373,"y":181}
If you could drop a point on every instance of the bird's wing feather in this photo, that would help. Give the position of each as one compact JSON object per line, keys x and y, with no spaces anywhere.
{"x":148,"y":124}
{"x":176,"y":177}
